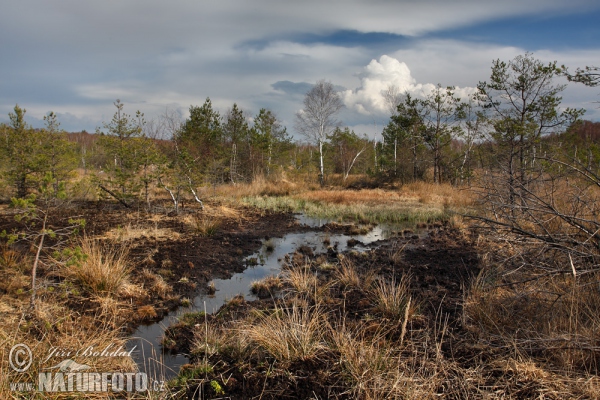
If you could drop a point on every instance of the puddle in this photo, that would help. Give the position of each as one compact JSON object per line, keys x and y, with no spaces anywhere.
{"x":148,"y":354}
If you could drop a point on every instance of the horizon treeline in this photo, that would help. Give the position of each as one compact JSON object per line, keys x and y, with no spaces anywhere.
{"x":513,"y":122}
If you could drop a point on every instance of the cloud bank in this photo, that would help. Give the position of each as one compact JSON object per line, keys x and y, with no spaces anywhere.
{"x":76,"y":57}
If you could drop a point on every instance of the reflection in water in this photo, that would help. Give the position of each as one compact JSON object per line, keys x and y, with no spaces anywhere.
{"x":148,"y":355}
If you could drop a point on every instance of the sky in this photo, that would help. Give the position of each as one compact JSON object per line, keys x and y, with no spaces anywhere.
{"x":76,"y":58}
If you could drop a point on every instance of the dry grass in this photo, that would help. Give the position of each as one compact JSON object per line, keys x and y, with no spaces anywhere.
{"x":303,"y":282}
{"x":203,"y":225}
{"x":289,"y":333}
{"x":103,"y":270}
{"x":444,"y":193}
{"x":9,"y":258}
{"x":417,"y":202}
{"x":210,"y":288}
{"x":261,"y":187}
{"x":266,"y":287}
{"x":413,"y":193}
{"x":346,"y":274}
{"x":557,"y":317}
{"x":134,"y":292}
{"x":14,"y":278}
{"x":54,"y":325}
{"x":458,"y":222}
{"x":146,"y":312}
{"x":155,"y":284}
{"x":348,"y":277}
{"x":364,"y":206}
{"x":392,"y":299}
{"x":209,"y":340}
{"x":129,"y":233}
{"x":370,"y":366}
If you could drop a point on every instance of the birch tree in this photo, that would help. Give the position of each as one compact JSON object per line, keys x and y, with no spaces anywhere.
{"x":317,"y":120}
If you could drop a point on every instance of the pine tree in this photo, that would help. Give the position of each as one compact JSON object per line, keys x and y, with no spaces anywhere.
{"x":268,"y":136}
{"x":236,"y":136}
{"x":121,"y":145}
{"x":23,"y":148}
{"x":59,"y":153}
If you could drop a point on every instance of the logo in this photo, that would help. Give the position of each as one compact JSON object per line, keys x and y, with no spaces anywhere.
{"x":20,"y":357}
{"x":67,"y":375}
{"x":69,"y":365}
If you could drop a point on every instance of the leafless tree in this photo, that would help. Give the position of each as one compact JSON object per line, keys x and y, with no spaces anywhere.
{"x":393,"y":97}
{"x":556,"y":219}
{"x":317,"y":120}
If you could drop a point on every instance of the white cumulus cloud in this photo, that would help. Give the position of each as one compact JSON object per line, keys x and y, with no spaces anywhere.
{"x":380,"y":75}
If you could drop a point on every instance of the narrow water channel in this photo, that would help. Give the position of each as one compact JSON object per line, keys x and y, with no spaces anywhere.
{"x":148,"y":354}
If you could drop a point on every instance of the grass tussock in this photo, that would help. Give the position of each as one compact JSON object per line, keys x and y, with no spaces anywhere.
{"x":204,"y":225}
{"x":392,"y":299}
{"x":146,"y":312}
{"x":208,"y":340}
{"x":102,"y":270}
{"x":301,"y":281}
{"x":266,"y":287}
{"x":370,"y":366}
{"x":346,"y":274}
{"x":289,"y":333}
{"x":155,"y":284}
{"x":9,"y":258}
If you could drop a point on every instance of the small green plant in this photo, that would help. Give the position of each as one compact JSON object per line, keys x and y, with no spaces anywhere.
{"x":217,"y":388}
{"x":190,"y":372}
{"x":204,"y":368}
{"x":192,"y":318}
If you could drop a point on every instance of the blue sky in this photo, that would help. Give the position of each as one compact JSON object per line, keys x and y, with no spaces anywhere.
{"x":76,"y":58}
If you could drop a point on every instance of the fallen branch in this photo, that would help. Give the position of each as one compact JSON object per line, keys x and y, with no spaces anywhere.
{"x":115,"y":196}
